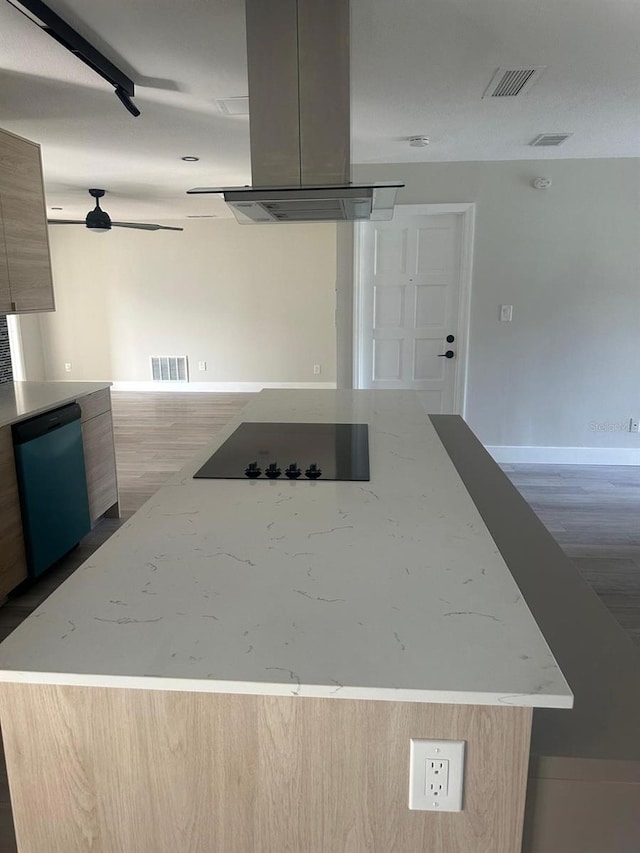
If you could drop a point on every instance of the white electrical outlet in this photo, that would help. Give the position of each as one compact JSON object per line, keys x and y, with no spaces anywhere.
{"x":436,"y":775}
{"x":67,"y":366}
{"x":202,"y":365}
{"x":438,"y":778}
{"x":634,"y":425}
{"x":317,"y":369}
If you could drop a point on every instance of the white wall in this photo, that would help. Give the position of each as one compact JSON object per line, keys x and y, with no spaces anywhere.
{"x":568,"y":260}
{"x":256,"y":303}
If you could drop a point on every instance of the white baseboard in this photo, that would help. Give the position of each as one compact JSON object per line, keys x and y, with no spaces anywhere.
{"x":567,"y":455}
{"x":226,"y":387}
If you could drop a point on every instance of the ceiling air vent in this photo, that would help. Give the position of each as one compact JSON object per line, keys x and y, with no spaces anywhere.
{"x":234,"y":106}
{"x":509,"y":82}
{"x":549,"y":140}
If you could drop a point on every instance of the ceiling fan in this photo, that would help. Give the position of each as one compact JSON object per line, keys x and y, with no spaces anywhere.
{"x":99,"y":220}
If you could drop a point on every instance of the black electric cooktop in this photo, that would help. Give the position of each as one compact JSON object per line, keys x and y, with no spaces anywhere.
{"x":264,"y":451}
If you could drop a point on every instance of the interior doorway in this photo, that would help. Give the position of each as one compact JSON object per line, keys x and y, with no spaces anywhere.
{"x":412,"y":296}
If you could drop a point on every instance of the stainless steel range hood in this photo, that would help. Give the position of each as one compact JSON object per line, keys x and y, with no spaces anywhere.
{"x":298,"y":62}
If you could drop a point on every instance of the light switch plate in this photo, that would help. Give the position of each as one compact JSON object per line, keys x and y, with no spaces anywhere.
{"x":436,"y":775}
{"x":506,"y":313}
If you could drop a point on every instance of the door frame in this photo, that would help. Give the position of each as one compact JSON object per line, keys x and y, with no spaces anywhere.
{"x":467,"y":211}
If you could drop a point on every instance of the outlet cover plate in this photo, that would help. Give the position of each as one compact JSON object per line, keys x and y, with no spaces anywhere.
{"x":426,"y":758}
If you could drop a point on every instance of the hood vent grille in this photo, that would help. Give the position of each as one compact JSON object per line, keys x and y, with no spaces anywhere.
{"x":549,"y":140}
{"x":310,"y":204}
{"x":511,"y":82}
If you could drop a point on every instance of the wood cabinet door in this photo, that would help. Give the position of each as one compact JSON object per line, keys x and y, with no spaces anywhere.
{"x":25,"y":225}
{"x":100,"y":464}
{"x":13,"y":561}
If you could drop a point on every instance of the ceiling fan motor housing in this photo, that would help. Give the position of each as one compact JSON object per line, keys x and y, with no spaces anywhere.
{"x":98,"y":218}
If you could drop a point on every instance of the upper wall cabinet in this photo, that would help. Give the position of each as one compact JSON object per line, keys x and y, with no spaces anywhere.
{"x":26,"y":284}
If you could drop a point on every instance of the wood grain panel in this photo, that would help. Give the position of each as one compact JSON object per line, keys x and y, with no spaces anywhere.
{"x":25,"y":224}
{"x":94,"y":404}
{"x":5,"y":290}
{"x":100,"y":464}
{"x":13,"y":562}
{"x":112,"y":770}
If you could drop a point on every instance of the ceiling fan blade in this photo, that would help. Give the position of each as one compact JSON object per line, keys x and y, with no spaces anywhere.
{"x":143,"y":226}
{"x":66,"y":221}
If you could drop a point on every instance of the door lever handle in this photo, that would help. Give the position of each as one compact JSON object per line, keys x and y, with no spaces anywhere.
{"x":448,"y":354}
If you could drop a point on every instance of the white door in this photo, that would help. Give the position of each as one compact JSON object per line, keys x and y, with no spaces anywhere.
{"x":410,"y":274}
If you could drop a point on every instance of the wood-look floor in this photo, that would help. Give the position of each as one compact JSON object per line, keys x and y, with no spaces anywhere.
{"x":592,"y":511}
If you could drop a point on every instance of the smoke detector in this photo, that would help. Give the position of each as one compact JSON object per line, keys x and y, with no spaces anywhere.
{"x":418,"y":141}
{"x":541,"y":183}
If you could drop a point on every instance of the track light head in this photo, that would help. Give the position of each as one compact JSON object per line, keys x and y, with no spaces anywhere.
{"x":126,"y":102}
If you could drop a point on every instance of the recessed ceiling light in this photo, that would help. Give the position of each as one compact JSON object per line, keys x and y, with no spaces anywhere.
{"x":190,"y":159}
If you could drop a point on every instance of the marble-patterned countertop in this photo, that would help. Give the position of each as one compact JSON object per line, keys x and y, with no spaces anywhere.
{"x":391,"y":589}
{"x":22,"y":400}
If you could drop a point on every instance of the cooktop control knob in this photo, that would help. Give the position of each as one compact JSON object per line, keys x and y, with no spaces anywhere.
{"x":313,"y":472}
{"x":293,"y":472}
{"x":272,"y":471}
{"x":253,"y":471}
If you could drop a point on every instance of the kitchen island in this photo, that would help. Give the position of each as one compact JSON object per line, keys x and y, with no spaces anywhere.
{"x":241,"y":667}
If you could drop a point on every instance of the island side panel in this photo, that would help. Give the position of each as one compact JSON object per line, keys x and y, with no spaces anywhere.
{"x":109,"y":769}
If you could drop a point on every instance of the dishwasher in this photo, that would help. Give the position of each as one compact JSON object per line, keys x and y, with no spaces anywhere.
{"x":52,"y":484}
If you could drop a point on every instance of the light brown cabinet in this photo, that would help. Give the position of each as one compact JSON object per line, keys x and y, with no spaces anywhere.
{"x":26,"y":283}
{"x":13,"y":561}
{"x":99,"y":454}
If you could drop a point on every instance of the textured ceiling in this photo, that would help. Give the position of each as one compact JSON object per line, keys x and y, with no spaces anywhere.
{"x":417,"y":68}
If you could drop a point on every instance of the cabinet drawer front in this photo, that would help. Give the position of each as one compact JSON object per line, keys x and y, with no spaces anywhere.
{"x":95,"y":404}
{"x":100,"y":464}
{"x":13,"y":562}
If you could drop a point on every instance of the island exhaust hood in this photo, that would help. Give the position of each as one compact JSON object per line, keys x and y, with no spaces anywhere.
{"x":298,"y":63}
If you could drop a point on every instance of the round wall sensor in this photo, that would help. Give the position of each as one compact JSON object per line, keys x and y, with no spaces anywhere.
{"x":541,"y":183}
{"x":418,"y":141}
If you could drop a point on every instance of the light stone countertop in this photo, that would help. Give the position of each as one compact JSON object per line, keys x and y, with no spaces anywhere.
{"x":391,"y":589}
{"x":22,"y":400}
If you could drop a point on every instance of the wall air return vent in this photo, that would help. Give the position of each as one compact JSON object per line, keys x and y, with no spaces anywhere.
{"x":169,"y":368}
{"x":549,"y":140}
{"x":510,"y":82}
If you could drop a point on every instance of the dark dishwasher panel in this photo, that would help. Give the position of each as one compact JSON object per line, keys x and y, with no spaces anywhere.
{"x":52,"y":483}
